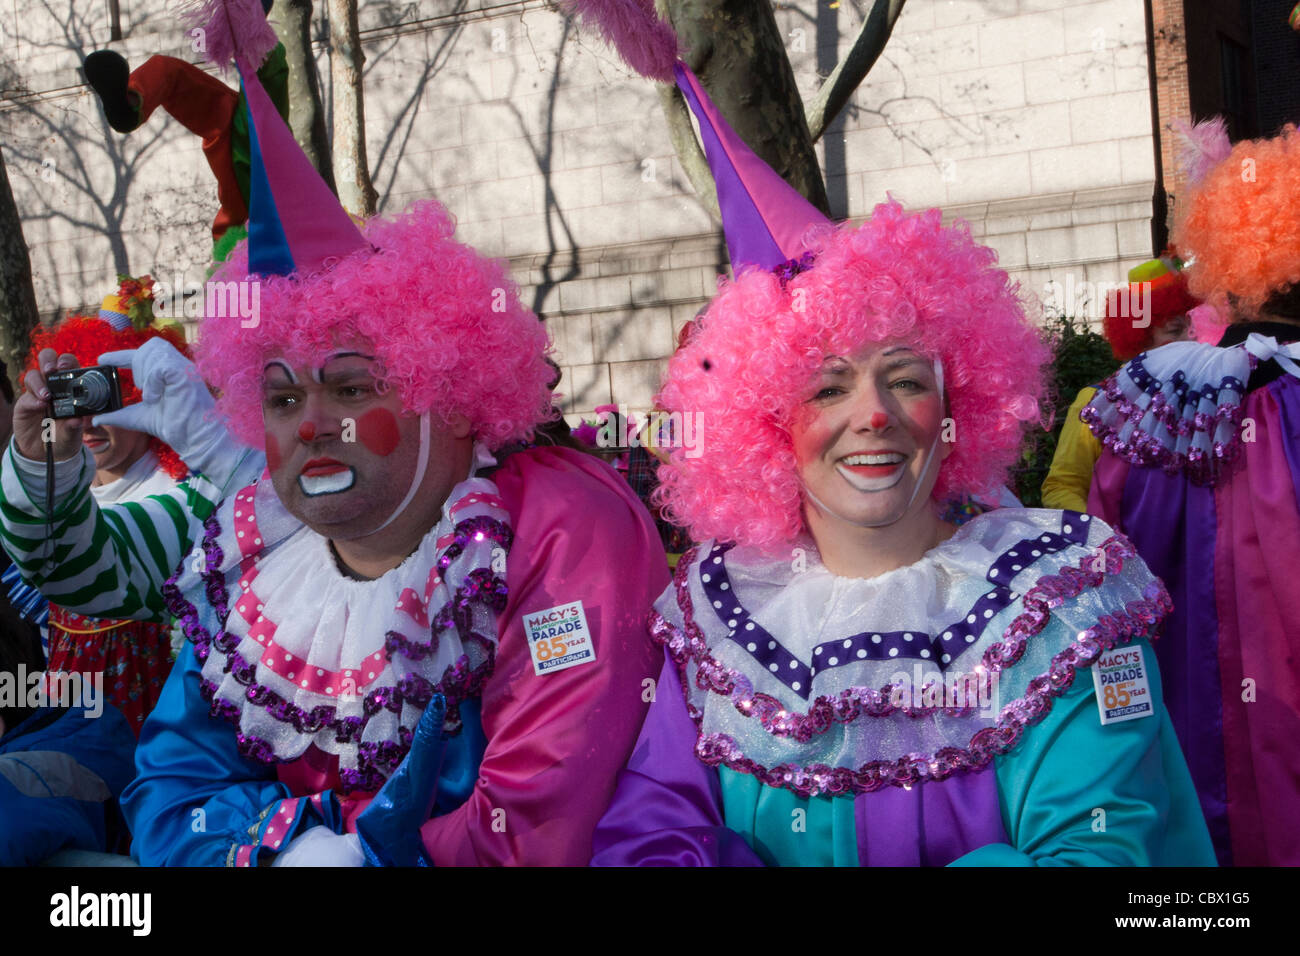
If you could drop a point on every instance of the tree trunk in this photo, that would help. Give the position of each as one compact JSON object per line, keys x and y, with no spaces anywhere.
{"x":292,"y":21}
{"x":739,"y":54}
{"x":18,"y":314}
{"x":351,"y":171}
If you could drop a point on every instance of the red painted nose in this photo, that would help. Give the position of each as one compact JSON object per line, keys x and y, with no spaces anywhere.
{"x":879,"y":420}
{"x":306,"y":431}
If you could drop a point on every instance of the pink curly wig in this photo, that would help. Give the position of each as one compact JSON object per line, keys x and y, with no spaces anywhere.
{"x":445,"y":323}
{"x":751,"y":360}
{"x":1242,"y":223}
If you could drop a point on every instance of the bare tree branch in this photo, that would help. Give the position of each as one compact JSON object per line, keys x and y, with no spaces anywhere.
{"x":853,"y":69}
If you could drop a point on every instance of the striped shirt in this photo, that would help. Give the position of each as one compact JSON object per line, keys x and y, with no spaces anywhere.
{"x":108,"y":562}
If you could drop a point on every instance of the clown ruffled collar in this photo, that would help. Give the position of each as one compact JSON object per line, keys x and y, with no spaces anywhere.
{"x":1180,"y":407}
{"x":964,"y":650}
{"x":296,"y":654}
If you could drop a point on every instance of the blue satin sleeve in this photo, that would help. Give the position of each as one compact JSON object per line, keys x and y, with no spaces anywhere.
{"x":462,"y":756}
{"x":195,"y":798}
{"x":1075,"y":792}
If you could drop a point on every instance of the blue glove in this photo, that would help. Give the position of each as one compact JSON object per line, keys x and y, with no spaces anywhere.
{"x":390,"y":827}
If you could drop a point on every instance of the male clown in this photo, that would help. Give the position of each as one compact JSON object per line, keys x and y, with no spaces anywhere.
{"x":384,"y":567}
{"x":375,"y":565}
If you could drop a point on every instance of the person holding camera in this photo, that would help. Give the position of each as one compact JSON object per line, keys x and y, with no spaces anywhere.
{"x":125,"y":465}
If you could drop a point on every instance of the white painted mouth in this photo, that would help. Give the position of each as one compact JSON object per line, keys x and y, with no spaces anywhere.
{"x":332,"y":484}
{"x":864,"y":484}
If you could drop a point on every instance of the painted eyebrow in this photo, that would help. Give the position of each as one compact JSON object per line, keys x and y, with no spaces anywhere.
{"x":904,"y":361}
{"x":318,"y":374}
{"x":282,"y":366}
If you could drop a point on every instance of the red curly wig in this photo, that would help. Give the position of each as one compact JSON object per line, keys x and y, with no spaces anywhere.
{"x":88,"y":338}
{"x":1169,"y":297}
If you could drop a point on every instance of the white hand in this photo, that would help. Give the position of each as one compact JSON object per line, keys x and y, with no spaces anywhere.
{"x":175,"y":405}
{"x":321,"y":847}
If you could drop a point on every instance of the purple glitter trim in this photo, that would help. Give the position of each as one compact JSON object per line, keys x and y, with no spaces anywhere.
{"x":1149,"y":451}
{"x":459,"y":681}
{"x":987,"y":743}
{"x":481,"y":586}
{"x":1138,"y":619}
{"x":792,"y":267}
{"x":477,"y":528}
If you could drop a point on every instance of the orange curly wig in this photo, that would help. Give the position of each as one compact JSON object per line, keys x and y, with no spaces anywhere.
{"x":1242,"y":223}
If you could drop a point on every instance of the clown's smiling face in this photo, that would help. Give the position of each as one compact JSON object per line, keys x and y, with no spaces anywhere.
{"x":867,"y":437}
{"x":343,"y":454}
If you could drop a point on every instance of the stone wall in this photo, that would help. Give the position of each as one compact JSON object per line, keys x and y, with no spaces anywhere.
{"x":1028,"y":118}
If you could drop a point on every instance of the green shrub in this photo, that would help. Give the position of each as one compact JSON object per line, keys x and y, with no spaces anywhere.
{"x":1080,"y":357}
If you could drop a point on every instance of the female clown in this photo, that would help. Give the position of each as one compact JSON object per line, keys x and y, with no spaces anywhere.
{"x":848,"y":679}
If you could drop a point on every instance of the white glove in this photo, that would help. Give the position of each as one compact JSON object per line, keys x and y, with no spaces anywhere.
{"x":320,"y":846}
{"x":175,"y":406}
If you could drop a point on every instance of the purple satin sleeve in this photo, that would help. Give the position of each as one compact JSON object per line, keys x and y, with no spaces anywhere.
{"x":667,"y":808}
{"x":932,"y":824}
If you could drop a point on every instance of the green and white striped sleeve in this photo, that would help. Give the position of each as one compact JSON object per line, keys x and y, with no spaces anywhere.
{"x":106,"y":562}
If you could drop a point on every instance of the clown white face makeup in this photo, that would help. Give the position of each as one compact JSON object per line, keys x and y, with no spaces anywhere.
{"x":115,"y":450}
{"x":867,"y":439}
{"x":347,"y":460}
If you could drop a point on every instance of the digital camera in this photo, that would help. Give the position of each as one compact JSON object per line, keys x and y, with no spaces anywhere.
{"x":76,"y":392}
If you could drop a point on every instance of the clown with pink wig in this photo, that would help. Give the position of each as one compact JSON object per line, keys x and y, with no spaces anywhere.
{"x":1201,"y":468}
{"x":849,"y":679}
{"x":400,"y":640}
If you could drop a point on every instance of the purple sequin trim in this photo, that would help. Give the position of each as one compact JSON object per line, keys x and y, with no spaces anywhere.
{"x":481,"y":586}
{"x":792,"y":267}
{"x":477,"y":528}
{"x":1146,"y":449}
{"x":375,"y":760}
{"x":1138,"y":618}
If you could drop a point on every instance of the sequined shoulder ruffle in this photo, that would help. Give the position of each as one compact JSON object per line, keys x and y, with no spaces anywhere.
{"x":1178,"y":407}
{"x":347,"y":666}
{"x":845,"y":715}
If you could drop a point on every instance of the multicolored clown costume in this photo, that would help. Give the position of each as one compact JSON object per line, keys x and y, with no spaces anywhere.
{"x":802,"y":718}
{"x":474,"y":703}
{"x":1161,"y":288}
{"x":134,"y":656}
{"x":791,"y":694}
{"x":1202,"y":471}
